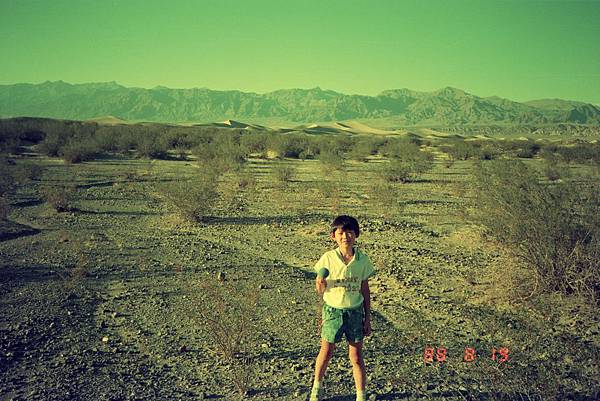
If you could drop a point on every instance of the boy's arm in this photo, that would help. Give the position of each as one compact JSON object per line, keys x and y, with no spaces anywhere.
{"x":366,"y":293}
{"x":321,"y":285}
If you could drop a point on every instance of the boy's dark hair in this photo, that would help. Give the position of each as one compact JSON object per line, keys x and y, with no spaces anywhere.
{"x":345,"y":223}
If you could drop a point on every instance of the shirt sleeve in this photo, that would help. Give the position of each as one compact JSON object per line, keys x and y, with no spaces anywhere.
{"x":321,"y":263}
{"x":369,"y":269}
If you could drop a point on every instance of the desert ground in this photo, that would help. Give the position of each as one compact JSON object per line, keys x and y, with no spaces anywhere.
{"x":107,"y":300}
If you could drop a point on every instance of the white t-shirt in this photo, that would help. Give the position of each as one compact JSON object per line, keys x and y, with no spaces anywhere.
{"x":344,"y":281}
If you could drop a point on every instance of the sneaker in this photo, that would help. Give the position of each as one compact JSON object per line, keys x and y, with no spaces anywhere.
{"x":316,"y":394}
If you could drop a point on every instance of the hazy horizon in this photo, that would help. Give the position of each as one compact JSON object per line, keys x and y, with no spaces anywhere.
{"x":519,"y":50}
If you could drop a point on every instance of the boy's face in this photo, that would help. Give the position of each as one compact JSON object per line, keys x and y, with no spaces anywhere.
{"x":344,"y":238}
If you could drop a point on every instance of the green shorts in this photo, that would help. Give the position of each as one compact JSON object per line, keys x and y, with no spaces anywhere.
{"x":339,"y":322}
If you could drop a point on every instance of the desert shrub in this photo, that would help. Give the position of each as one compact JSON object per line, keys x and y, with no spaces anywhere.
{"x":488,"y":152}
{"x":331,"y":160}
{"x":387,"y":196}
{"x":7,"y":179}
{"x":284,"y":173}
{"x":124,"y":143}
{"x":554,"y":170}
{"x":449,"y":161}
{"x":554,"y":228}
{"x":223,"y":154}
{"x":407,"y":163}
{"x":194,"y":198}
{"x":331,"y":192}
{"x":9,"y":143}
{"x":4,"y":208}
{"x":51,"y":145}
{"x":181,"y":152}
{"x":343,"y":143}
{"x":151,"y":148}
{"x":228,"y":313}
{"x":293,"y":145}
{"x":362,"y":149}
{"x":572,"y":153}
{"x":399,"y":149}
{"x":205,"y":154}
{"x":74,"y":276}
{"x":177,"y":138}
{"x":236,"y":190}
{"x":461,"y":150}
{"x":396,"y":171}
{"x":528,"y":150}
{"x":107,"y":139}
{"x":255,"y":142}
{"x":59,"y":197}
{"x":28,"y":172}
{"x":227,"y":146}
{"x":77,"y":152}
{"x":7,"y":185}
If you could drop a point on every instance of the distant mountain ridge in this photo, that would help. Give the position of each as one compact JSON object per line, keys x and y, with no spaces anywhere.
{"x":447,"y":106}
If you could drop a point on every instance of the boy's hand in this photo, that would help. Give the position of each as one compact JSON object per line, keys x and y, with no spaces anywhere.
{"x":367,"y":327}
{"x":321,"y":285}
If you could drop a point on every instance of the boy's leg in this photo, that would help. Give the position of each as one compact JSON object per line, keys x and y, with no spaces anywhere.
{"x":325,"y":354}
{"x":358,"y":366}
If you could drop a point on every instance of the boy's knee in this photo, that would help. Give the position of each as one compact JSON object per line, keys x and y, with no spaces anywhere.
{"x":327,"y":351}
{"x":355,"y":357}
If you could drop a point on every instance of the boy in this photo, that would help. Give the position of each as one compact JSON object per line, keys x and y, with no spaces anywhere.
{"x":347,"y":303}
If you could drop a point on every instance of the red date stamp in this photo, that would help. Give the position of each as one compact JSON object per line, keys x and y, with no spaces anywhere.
{"x":440,"y":354}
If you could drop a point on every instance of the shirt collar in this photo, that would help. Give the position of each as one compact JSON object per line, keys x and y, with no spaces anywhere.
{"x":354,"y":248}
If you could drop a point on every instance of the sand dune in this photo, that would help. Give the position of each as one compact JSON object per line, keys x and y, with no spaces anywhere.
{"x":108,"y":120}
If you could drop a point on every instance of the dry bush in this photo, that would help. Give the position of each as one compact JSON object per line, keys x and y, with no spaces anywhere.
{"x":4,"y":208}
{"x":331,"y":160}
{"x":555,"y":171}
{"x":554,"y":228}
{"x":331,"y":191}
{"x":387,"y":196}
{"x":226,"y":312}
{"x":236,"y":191}
{"x":28,"y":172}
{"x":7,"y":185}
{"x":73,"y":278}
{"x":284,"y":173}
{"x":79,"y":151}
{"x":194,"y":198}
{"x":59,"y":197}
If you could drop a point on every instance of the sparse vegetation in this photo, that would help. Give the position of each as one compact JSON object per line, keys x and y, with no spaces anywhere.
{"x":284,"y":173}
{"x":152,"y":275}
{"x":553,"y":228}
{"x":59,"y":197}
{"x":227,"y":313}
{"x":194,"y":198}
{"x":331,"y":160}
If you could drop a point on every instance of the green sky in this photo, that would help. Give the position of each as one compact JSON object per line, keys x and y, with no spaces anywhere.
{"x":521,"y":49}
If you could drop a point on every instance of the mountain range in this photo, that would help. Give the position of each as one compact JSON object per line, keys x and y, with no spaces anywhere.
{"x":398,"y":107}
